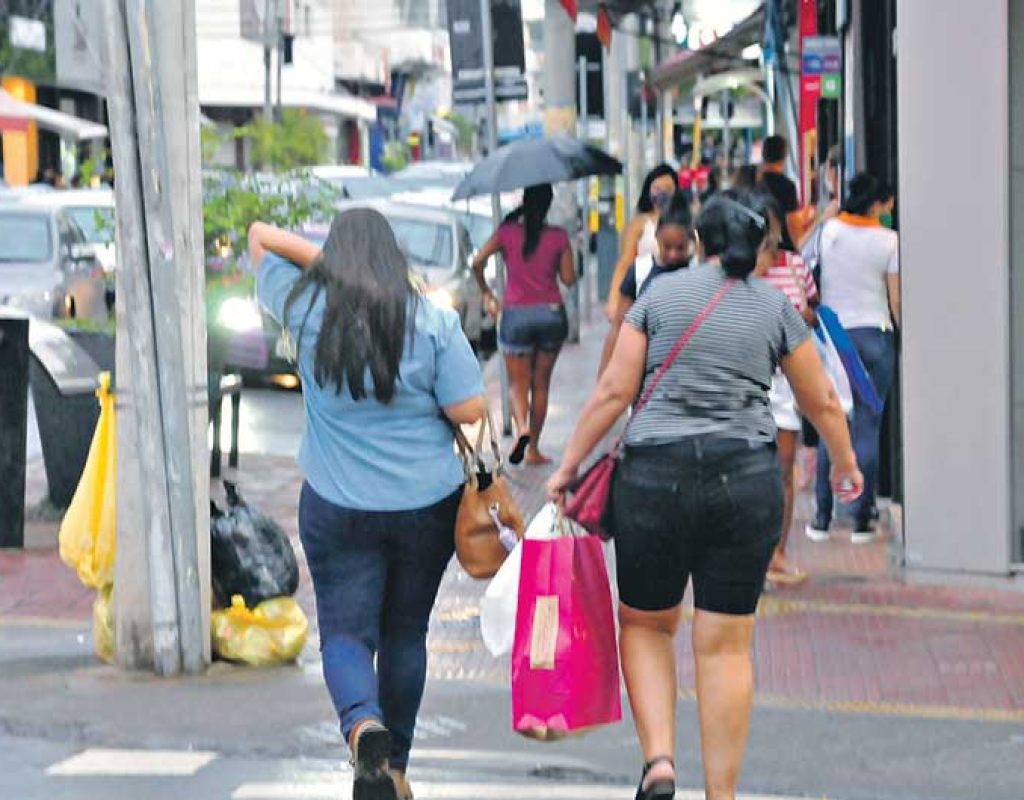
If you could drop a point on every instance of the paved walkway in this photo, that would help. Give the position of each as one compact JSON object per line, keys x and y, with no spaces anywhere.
{"x":857,"y":637}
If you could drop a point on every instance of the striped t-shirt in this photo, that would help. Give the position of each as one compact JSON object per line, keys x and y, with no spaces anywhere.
{"x":791,"y":276}
{"x":719,"y":383}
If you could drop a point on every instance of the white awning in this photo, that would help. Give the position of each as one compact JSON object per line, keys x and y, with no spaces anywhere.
{"x":66,"y":125}
{"x":342,"y":105}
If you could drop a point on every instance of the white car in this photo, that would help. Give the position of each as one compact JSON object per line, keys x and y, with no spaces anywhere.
{"x":93,"y":211}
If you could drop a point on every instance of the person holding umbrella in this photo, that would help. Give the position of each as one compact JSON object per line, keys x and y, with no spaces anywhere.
{"x":533,"y":323}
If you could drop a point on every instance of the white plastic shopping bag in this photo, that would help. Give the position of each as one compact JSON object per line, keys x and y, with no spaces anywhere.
{"x":498,"y":605}
{"x":834,"y":368}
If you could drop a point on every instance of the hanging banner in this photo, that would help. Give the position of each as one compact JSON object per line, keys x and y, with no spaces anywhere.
{"x":810,"y":91}
{"x":467,"y":51}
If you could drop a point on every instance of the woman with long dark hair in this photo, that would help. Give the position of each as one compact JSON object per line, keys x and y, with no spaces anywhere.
{"x":533,"y":325}
{"x":639,"y":239}
{"x":698,"y":493}
{"x":385,"y":376}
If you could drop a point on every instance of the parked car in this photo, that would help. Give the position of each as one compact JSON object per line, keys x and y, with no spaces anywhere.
{"x":352,"y":182}
{"x":48,"y":268}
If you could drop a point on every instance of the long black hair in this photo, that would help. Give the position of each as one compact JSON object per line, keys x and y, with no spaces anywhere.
{"x":678,"y":213}
{"x":366,"y":280}
{"x":733,"y":225}
{"x":533,"y":211}
{"x":645,"y":205}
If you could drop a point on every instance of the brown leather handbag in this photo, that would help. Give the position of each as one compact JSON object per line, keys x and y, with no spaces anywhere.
{"x":489,"y":522}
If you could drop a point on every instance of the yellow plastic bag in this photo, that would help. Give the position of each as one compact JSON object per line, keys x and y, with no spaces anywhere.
{"x":88,"y":532}
{"x":272,"y":633}
{"x":103,"y":623}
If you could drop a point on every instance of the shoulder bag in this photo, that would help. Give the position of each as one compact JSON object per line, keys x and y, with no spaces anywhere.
{"x":488,"y":523}
{"x":590,"y":503}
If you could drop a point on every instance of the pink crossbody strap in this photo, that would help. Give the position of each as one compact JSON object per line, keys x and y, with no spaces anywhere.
{"x":677,"y":348}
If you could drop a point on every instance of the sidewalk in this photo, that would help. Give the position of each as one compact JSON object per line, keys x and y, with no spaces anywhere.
{"x":856,"y":637}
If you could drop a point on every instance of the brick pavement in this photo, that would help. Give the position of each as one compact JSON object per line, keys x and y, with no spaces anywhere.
{"x":858,"y":636}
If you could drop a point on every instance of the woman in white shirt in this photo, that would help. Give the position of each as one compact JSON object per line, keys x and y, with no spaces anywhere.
{"x":859,"y":261}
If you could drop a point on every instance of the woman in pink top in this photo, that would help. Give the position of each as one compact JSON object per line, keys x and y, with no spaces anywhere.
{"x":533,"y":324}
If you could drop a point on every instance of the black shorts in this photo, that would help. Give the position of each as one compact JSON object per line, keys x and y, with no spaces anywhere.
{"x":706,"y":507}
{"x":526,"y":329}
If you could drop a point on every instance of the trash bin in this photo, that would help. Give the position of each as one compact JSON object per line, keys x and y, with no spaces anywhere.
{"x":64,"y":379}
{"x":13,"y":428}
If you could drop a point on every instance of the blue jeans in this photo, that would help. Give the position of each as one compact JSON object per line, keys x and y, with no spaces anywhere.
{"x":375,"y":576}
{"x":877,"y":349}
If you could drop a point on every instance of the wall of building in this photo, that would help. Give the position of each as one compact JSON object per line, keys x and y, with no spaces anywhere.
{"x":955,"y":263}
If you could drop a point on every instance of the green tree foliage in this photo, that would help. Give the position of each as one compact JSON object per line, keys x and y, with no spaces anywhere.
{"x":297,"y":140}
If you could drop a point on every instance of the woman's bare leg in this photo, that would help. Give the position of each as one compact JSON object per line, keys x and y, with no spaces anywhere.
{"x":649,"y":665}
{"x":540,"y":388}
{"x":725,"y":694}
{"x":519,"y":390}
{"x":787,"y":446}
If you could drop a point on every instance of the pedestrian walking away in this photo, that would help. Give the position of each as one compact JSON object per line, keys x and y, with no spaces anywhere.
{"x":698,"y":493}
{"x":773,"y":178}
{"x":860,"y":282}
{"x":640,"y":236}
{"x":385,"y":376}
{"x":788,"y":273}
{"x":532,"y":321}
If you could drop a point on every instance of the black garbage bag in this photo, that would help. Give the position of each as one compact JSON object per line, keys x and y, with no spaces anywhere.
{"x":250,"y":554}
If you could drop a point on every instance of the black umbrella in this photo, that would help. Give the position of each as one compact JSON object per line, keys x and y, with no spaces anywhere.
{"x":535,"y":161}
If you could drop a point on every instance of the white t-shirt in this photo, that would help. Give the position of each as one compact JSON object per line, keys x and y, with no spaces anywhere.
{"x":855,"y":261}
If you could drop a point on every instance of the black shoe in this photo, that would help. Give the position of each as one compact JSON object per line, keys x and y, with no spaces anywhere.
{"x":372,"y":781}
{"x":519,"y":451}
{"x":658,"y":790}
{"x":866,"y":532}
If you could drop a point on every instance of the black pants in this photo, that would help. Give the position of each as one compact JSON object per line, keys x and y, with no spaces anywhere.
{"x":705,"y":507}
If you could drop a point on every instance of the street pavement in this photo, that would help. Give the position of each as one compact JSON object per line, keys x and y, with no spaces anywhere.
{"x":872,"y":683}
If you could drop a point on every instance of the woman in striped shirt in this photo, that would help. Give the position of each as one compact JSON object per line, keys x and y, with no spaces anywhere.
{"x":787,"y":272}
{"x":698,"y":493}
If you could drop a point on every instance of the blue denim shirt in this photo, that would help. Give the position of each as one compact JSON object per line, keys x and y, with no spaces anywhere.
{"x":366,"y":455}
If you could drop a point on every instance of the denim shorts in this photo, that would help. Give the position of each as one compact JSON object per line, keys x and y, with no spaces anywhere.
{"x":704,"y":507}
{"x":527,"y":329}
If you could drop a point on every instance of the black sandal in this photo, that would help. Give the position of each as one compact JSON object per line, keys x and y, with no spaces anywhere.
{"x":519,"y":451}
{"x":658,"y":790}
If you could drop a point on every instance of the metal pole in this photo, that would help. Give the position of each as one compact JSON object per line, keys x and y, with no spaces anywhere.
{"x":726,"y":131}
{"x":487,"y":32}
{"x":585,"y":289}
{"x":268,"y":107}
{"x":624,"y":147}
{"x":645,"y":114}
{"x":279,"y":36}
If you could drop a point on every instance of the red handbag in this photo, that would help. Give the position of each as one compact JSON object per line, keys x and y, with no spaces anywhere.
{"x":590,"y":503}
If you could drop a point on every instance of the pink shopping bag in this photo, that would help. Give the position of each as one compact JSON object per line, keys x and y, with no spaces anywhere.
{"x":565,"y":664}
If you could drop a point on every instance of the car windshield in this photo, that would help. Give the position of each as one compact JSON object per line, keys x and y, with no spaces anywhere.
{"x":96,"y":222}
{"x":24,"y":237}
{"x":366,"y":187}
{"x":425,"y":243}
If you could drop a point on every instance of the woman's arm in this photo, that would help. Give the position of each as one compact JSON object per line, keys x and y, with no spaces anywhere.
{"x":625,"y":303}
{"x":818,"y":401}
{"x":468,"y":412}
{"x":892,"y":282}
{"x":264,"y":237}
{"x":616,"y":389}
{"x":491,"y":247}
{"x":567,"y":267}
{"x":627,"y":255}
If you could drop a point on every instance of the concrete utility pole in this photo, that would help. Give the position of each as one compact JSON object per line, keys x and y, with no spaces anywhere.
{"x":491,"y":111}
{"x":560,"y":118}
{"x":632,"y":145}
{"x":269,"y":43}
{"x":162,"y":577}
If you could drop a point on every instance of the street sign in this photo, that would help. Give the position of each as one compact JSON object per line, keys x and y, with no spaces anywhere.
{"x":467,"y":53}
{"x":256,"y":24}
{"x":78,"y":40}
{"x":27,"y":34}
{"x":820,"y":55}
{"x":831,"y":86}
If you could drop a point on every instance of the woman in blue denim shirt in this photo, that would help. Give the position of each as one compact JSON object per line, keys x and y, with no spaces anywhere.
{"x":384,"y":377}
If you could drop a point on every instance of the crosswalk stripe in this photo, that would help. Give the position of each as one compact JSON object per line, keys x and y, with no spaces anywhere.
{"x":132,"y":763}
{"x":330,"y":790}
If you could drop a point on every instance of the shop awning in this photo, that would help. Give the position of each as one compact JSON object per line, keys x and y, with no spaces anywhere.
{"x":721,"y":54}
{"x":342,"y":105}
{"x":16,"y":114}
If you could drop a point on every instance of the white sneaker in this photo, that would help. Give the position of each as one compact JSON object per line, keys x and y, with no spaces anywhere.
{"x":865,"y":536}
{"x":816,"y":534}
